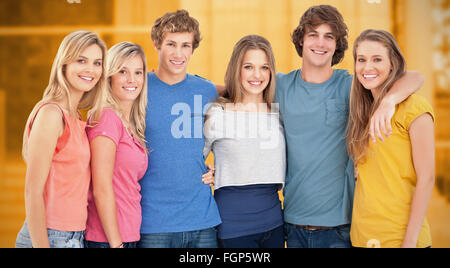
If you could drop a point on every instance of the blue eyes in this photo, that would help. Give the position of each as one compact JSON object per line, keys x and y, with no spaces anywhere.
{"x":83,"y":61}
{"x":375,"y":60}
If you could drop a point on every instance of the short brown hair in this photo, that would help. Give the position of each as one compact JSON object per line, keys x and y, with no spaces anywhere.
{"x":316,"y":16}
{"x":175,"y":22}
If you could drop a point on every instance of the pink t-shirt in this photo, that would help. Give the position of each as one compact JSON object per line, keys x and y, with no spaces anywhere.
{"x":129,"y":167}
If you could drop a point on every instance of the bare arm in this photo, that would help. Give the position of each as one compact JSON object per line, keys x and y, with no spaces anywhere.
{"x":402,"y":89}
{"x":103,"y":151}
{"x":47,"y":127}
{"x":421,"y":133}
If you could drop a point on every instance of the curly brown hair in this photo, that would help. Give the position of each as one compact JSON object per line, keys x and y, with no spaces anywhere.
{"x":316,"y":16}
{"x":175,"y":22}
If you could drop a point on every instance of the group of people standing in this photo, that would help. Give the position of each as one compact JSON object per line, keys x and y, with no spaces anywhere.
{"x":353,"y":154}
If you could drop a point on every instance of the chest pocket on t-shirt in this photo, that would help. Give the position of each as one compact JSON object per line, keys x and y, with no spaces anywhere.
{"x":336,"y":113}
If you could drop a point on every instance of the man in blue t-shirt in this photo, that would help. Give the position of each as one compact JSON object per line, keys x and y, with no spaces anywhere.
{"x":178,"y":209}
{"x":314,"y":104}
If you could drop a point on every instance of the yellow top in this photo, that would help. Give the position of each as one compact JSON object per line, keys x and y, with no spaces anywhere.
{"x":386,"y":183}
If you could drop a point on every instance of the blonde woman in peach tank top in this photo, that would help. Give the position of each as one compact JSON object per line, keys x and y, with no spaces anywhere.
{"x":56,"y":148}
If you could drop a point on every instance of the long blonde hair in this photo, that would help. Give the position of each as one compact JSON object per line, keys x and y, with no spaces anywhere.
{"x":362,"y":103}
{"x":115,"y":58}
{"x":58,"y":88}
{"x":234,"y":89}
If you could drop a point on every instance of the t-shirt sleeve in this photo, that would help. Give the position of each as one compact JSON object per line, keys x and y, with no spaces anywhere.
{"x":416,"y":106}
{"x":213,"y":128}
{"x":109,"y":125}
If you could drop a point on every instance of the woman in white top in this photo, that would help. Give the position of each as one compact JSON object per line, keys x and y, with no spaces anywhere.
{"x":244,"y":132}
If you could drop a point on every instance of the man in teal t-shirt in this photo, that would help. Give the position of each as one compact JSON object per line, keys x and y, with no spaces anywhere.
{"x":314,"y":105}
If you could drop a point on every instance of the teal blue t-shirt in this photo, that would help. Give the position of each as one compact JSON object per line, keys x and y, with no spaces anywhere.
{"x":319,"y":179}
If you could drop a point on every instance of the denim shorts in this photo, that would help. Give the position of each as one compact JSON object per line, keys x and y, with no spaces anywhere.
{"x":57,"y":239}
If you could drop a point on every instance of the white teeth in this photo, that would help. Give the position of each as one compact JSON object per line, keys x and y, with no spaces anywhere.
{"x":176,"y":62}
{"x":255,"y":83}
{"x":370,"y":76}
{"x":130,"y":88}
{"x":319,"y":52}
{"x":86,"y":78}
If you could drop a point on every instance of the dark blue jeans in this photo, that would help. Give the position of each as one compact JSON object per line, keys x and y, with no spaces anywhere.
{"x":270,"y":239}
{"x":92,"y":244}
{"x":296,"y":237}
{"x":206,"y":238}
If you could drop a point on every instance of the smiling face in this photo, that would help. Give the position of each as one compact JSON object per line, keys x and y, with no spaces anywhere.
{"x":174,"y":55}
{"x":373,"y":64}
{"x":127,"y":84}
{"x":255,"y":72}
{"x":84,"y":73}
{"x":319,"y":45}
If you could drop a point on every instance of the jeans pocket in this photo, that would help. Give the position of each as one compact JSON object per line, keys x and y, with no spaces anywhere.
{"x":287,"y":230}
{"x":343,"y":233}
{"x":23,"y":239}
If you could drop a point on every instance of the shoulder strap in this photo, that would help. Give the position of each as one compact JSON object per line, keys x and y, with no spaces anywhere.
{"x":37,"y":111}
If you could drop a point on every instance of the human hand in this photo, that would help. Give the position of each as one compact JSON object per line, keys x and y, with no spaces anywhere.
{"x":208,"y":178}
{"x":381,"y":120}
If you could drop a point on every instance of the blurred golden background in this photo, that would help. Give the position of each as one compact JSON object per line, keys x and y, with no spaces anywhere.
{"x":31,"y":31}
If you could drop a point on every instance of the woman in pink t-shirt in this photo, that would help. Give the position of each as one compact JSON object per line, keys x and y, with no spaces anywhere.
{"x":56,"y":148}
{"x":119,"y":153}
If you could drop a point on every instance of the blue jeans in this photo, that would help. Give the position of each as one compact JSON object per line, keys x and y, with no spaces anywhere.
{"x":296,"y":237}
{"x":206,"y":238}
{"x":93,"y":244}
{"x":57,"y":239}
{"x":270,"y":239}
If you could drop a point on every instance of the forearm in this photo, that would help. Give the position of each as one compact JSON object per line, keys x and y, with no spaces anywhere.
{"x":419,"y":206}
{"x":36,"y":220}
{"x":106,"y":207}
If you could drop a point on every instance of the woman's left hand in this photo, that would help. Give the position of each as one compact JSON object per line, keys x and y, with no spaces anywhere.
{"x":381,"y":120}
{"x":208,"y":178}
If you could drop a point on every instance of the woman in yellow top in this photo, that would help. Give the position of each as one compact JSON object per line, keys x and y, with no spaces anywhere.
{"x":395,"y":175}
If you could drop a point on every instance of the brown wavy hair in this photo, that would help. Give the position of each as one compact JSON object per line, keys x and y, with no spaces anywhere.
{"x":175,"y":22}
{"x":316,"y":16}
{"x":362,"y":103}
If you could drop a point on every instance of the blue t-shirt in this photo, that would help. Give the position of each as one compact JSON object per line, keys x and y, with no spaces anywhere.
{"x":319,"y":179}
{"x":174,"y":198}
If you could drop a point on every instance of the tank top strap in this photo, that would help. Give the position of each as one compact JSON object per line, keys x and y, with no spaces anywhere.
{"x":37,"y":111}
